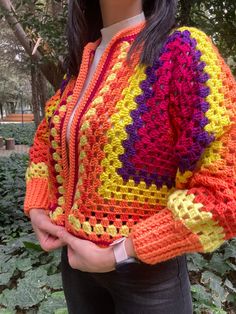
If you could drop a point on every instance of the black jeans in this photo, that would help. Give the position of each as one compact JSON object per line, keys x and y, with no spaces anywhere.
{"x":160,"y":289}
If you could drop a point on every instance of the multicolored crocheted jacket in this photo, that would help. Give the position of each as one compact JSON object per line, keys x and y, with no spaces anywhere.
{"x":152,"y":153}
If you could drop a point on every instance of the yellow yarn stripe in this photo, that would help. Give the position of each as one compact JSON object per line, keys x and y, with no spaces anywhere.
{"x":217,"y":114}
{"x":210,"y":233}
{"x":58,"y":212}
{"x":92,"y":111}
{"x":51,"y":108}
{"x":113,"y":185}
{"x":39,"y":170}
{"x":98,"y":229}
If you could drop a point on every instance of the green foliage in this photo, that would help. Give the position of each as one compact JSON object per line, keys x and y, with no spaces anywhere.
{"x":47,"y":19}
{"x":213,"y":280}
{"x":217,"y":18}
{"x":12,"y":191}
{"x":23,"y":134}
{"x":30,"y":279}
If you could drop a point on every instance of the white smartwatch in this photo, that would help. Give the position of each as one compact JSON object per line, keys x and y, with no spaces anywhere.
{"x":123,"y":261}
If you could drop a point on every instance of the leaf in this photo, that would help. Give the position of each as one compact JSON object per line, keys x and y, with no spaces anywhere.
{"x":215,"y":310}
{"x":52,"y":305}
{"x":219,"y":294}
{"x":9,"y":266}
{"x":24,"y":264}
{"x":27,"y":295}
{"x":217,"y":263}
{"x":54,"y":281}
{"x":36,"y":278}
{"x":231,"y":298}
{"x":7,"y":311}
{"x":200,"y":294}
{"x":7,"y":298}
{"x":214,"y":282}
{"x":5,"y":278}
{"x":230,"y":286}
{"x":58,"y":295}
{"x":230,"y":250}
{"x":208,"y":276}
{"x":196,"y":262}
{"x":231,"y":265}
{"x":61,"y":311}
{"x":33,"y":246}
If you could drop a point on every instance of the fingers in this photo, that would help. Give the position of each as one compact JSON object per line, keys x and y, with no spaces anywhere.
{"x":50,"y":243}
{"x":51,"y":246}
{"x":49,"y":227}
{"x":67,"y":238}
{"x":47,"y":241}
{"x":41,"y":220}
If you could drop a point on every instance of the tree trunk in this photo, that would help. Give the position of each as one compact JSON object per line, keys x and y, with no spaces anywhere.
{"x":51,"y":71}
{"x":35,"y":105}
{"x":1,"y":142}
{"x":10,"y":143}
{"x":42,"y":91}
{"x":1,"y":110}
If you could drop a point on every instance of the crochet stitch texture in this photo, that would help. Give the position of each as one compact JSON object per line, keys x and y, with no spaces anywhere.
{"x":152,"y":153}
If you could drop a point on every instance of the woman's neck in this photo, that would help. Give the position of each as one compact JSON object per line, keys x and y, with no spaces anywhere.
{"x":114,"y":11}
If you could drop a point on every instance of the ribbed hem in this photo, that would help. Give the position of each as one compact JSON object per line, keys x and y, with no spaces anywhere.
{"x":36,"y":195}
{"x":160,"y":238}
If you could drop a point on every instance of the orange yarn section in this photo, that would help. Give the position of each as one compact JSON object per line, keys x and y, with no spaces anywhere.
{"x":37,"y":185}
{"x":228,"y":82}
{"x":215,"y":185}
{"x":163,"y":238}
{"x":38,"y":195}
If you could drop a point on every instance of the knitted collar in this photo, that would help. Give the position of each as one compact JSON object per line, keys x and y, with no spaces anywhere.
{"x":127,"y":34}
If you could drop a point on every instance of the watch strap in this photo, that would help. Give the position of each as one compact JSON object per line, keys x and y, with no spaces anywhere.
{"x":119,"y":250}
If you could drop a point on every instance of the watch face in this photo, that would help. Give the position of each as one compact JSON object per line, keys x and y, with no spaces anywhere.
{"x":127,"y":265}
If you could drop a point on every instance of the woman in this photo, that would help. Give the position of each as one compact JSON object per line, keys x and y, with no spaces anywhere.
{"x":134,"y":163}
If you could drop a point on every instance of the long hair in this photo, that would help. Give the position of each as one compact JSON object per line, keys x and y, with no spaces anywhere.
{"x":85,"y":23}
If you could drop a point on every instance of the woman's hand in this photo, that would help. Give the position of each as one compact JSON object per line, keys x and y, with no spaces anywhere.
{"x":87,"y":256}
{"x":45,"y":230}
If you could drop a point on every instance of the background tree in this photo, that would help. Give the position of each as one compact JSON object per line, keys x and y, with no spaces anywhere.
{"x":218,"y":19}
{"x":43,"y":22}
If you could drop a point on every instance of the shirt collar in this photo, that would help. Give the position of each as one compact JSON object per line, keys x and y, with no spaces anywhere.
{"x":109,"y":32}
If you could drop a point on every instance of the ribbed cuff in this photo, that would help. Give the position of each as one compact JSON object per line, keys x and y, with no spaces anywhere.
{"x":36,"y":195}
{"x":160,"y":238}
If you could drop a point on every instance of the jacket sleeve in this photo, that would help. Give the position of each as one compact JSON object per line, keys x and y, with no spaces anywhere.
{"x":37,"y":183}
{"x":201,"y":212}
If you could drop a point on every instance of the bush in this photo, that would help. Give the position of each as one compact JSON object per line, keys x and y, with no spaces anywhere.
{"x":12,"y":191}
{"x":23,"y":134}
{"x":30,"y":280}
{"x":213,"y":279}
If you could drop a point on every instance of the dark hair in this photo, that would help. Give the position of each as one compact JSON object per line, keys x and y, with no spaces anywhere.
{"x":85,"y":22}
